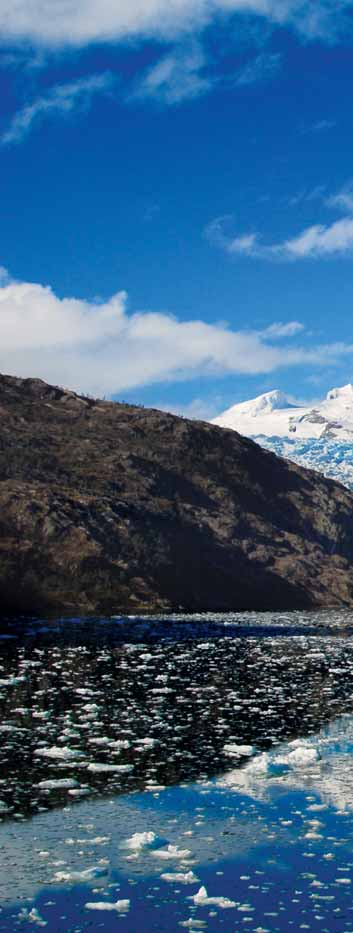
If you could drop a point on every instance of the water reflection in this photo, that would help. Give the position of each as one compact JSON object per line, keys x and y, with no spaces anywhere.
{"x":271,"y":853}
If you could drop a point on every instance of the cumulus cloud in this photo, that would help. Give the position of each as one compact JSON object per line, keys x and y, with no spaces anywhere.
{"x":313,"y":242}
{"x":61,"y":99}
{"x":78,"y":22}
{"x":104,"y":349}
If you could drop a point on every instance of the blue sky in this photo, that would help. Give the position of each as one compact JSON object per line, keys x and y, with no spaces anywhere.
{"x":176,"y":204}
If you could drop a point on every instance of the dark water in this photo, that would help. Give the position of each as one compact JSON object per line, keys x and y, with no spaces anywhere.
{"x":179,"y":728}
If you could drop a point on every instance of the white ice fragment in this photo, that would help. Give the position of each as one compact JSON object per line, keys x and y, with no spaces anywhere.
{"x":120,"y":906}
{"x":88,"y":874}
{"x":201,"y":899}
{"x":193,"y":924}
{"x":96,"y":841}
{"x":101,"y":768}
{"x":61,"y":752}
{"x":101,"y":740}
{"x":240,"y":751}
{"x":11,"y":681}
{"x":140,"y":841}
{"x":172,"y":852}
{"x":148,"y":742}
{"x":187,"y":877}
{"x":154,"y":788}
{"x":302,"y":755}
{"x":59,"y":784}
{"x":32,"y":916}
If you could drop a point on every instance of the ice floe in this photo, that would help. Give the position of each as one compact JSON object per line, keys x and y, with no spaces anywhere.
{"x":201,"y":899}
{"x":120,"y":906}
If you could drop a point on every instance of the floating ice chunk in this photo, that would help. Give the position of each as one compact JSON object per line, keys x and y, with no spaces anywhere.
{"x":144,"y":745}
{"x":120,"y":906}
{"x":240,"y":751}
{"x":140,"y":841}
{"x":88,"y":874}
{"x":154,"y":788}
{"x":96,"y":841}
{"x":172,"y":852}
{"x":102,"y":740}
{"x":187,"y":877}
{"x":193,"y":924}
{"x":201,"y":899}
{"x":32,"y":916}
{"x":61,"y":752}
{"x":59,"y":784}
{"x":301,"y":755}
{"x":100,"y":768}
{"x":84,"y":691}
{"x":12,"y":681}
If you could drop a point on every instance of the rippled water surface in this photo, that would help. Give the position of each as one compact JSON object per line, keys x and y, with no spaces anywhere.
{"x":144,"y":760}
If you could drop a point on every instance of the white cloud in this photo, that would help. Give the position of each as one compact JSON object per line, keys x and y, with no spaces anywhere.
{"x":278,"y":330}
{"x":343,"y":200}
{"x":183,"y":75}
{"x":199,"y":409}
{"x":176,"y":77}
{"x":60,"y":99}
{"x":314,"y":242}
{"x":261,"y":68}
{"x":319,"y":240}
{"x":103,"y":349}
{"x":78,"y":22}
{"x":322,"y":126}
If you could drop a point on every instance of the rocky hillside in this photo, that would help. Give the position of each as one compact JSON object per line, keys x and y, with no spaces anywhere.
{"x":109,"y":507}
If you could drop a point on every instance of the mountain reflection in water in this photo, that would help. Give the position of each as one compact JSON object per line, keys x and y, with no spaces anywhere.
{"x":102,"y":706}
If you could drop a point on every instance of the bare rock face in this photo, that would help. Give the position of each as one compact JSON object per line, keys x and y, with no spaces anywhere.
{"x":108,"y":507}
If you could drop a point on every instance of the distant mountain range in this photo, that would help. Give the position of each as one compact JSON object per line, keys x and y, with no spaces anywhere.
{"x":317,"y":436}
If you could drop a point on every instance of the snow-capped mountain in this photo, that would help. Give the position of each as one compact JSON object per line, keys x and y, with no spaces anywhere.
{"x":318,"y":436}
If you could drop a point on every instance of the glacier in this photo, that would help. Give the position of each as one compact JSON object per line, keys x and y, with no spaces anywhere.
{"x":317,"y":436}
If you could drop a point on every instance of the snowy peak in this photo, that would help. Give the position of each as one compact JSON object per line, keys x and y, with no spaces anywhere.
{"x":345,"y":393}
{"x":319,"y":436}
{"x":270,"y":401}
{"x":273,"y":415}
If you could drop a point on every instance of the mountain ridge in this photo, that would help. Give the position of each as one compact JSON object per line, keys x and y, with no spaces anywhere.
{"x":107,"y":507}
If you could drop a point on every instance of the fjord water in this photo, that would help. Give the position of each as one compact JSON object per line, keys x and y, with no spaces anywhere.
{"x":145,"y":760}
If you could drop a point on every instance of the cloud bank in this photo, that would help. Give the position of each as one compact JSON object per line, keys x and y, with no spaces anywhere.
{"x":79,"y":22}
{"x":104,"y":349}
